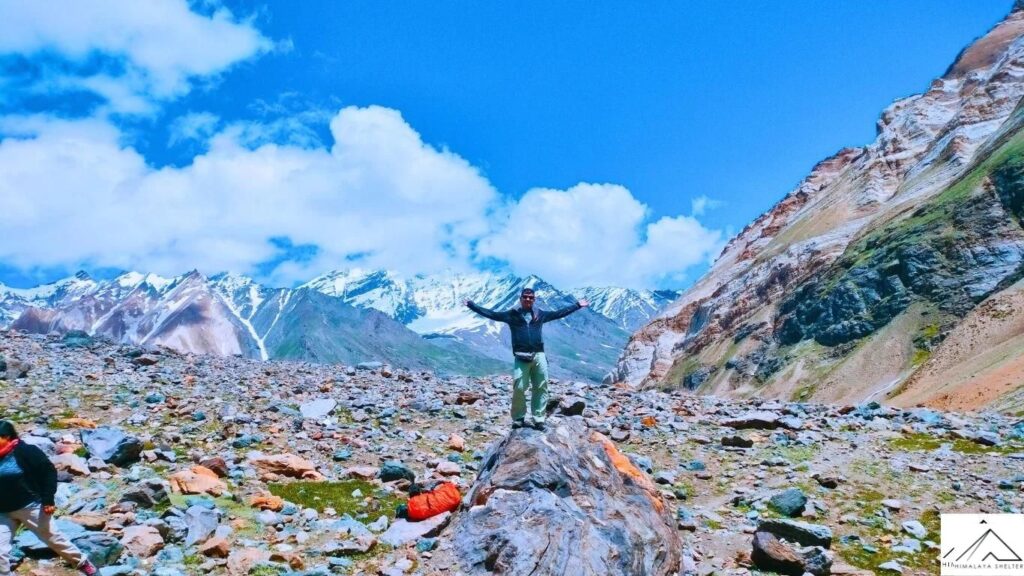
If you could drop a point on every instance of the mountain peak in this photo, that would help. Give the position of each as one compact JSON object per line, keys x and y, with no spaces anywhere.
{"x":990,"y":49}
{"x":828,"y":264}
{"x":82,"y":275}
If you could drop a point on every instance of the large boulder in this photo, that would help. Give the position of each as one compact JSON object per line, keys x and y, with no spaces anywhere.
{"x":112,"y":445}
{"x":565,"y":501}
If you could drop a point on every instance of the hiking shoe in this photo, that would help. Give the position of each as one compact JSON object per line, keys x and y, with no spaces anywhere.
{"x":518,"y":424}
{"x":88,"y":568}
{"x":539,"y":425}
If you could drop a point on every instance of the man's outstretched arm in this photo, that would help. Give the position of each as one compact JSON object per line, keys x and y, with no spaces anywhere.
{"x":563,"y":312}
{"x":487,"y":312}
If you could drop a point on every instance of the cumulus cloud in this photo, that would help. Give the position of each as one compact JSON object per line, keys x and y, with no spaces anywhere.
{"x":132,"y":54}
{"x":597,"y":234}
{"x":193,"y":127}
{"x":76,"y":195}
{"x":380,"y":196}
{"x":701,"y":204}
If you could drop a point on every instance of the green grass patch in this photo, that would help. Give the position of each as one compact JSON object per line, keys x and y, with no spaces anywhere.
{"x":926,"y":559}
{"x":229,"y":507}
{"x":338,"y":495}
{"x":267,"y":570}
{"x":681,"y":369}
{"x":926,"y":442}
{"x":712,"y":524}
{"x":795,"y":454}
{"x":804,"y":392}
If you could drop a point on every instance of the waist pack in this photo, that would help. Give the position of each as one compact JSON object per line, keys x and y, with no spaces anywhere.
{"x":524,"y":356}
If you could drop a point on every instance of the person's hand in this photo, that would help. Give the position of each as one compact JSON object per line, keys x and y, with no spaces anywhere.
{"x":466,"y":302}
{"x":584,"y":303}
{"x":49,"y":509}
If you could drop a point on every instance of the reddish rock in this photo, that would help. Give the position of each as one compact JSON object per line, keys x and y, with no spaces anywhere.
{"x":286,"y":465}
{"x":215,"y":547}
{"x":217,"y":464}
{"x":142,"y":541}
{"x":197,"y":480}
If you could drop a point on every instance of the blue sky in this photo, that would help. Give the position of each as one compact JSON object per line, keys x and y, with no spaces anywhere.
{"x":607,"y":145}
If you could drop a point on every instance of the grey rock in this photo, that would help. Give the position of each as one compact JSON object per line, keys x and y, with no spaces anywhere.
{"x":789,"y":502}
{"x":112,"y":445}
{"x":145,"y":360}
{"x":350,"y":547}
{"x":795,"y":531}
{"x":908,"y":546}
{"x":402,"y":532}
{"x":665,"y":477}
{"x":892,"y":566}
{"x":642,"y":462}
{"x":102,"y":549}
{"x":737,"y":441}
{"x":915,"y":529}
{"x":620,"y":435}
{"x":318,"y":408}
{"x":892,"y":504}
{"x":537,"y":489}
{"x":771,"y":553}
{"x":572,"y":406}
{"x":201,"y":522}
{"x":395,"y":470}
{"x":378,"y":525}
{"x":147,"y":494}
{"x":827,"y":480}
{"x":761,"y":419}
{"x":16,"y":369}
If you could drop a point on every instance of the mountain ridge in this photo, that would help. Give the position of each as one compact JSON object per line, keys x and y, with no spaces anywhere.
{"x":229,"y":313}
{"x":834,"y":293}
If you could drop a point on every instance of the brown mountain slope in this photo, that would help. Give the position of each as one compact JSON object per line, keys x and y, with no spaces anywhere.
{"x":839,"y":291}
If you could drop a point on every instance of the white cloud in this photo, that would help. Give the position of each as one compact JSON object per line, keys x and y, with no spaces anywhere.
{"x":193,"y":127}
{"x":73,"y":194}
{"x":597,"y":234}
{"x":701,"y":204}
{"x":158,"y":47}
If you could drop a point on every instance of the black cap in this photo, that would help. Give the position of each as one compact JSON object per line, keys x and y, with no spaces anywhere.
{"x":526,"y":291}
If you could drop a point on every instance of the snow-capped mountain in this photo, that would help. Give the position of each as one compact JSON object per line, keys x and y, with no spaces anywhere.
{"x":433,"y":305}
{"x":629,"y":308}
{"x":420,"y":321}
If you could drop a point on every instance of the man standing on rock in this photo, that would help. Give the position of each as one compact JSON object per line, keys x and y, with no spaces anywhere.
{"x":531,"y":367}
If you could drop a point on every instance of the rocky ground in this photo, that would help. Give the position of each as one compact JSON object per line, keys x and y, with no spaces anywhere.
{"x":178,"y":464}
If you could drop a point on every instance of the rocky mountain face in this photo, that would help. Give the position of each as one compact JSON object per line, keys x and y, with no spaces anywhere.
{"x":864,"y":281}
{"x":346,"y":316}
{"x":178,"y":464}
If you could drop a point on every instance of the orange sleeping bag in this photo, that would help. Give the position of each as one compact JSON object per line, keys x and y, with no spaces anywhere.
{"x":444,"y":498}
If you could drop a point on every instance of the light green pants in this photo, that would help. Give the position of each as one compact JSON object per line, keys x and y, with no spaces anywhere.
{"x":535,"y":375}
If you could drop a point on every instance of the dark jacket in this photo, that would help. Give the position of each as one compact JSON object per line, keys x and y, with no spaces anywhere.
{"x":30,"y":478}
{"x":526,"y":336}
